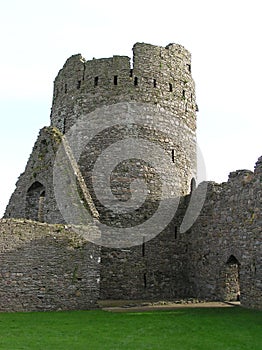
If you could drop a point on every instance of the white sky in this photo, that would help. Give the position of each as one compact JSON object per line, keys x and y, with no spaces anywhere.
{"x":223,"y":36}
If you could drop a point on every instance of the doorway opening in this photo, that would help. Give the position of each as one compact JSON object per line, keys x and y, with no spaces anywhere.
{"x":231,"y":279}
{"x":35,"y":202}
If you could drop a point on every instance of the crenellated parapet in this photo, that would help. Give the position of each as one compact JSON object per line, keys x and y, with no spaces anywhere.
{"x":158,"y":75}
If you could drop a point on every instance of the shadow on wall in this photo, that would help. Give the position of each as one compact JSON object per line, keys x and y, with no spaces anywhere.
{"x":35,"y":201}
{"x":230,"y":280}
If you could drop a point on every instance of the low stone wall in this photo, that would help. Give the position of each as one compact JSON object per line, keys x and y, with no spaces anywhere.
{"x":225,"y":244}
{"x":46,"y":267}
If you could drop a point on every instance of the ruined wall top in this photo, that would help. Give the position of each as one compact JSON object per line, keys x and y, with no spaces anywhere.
{"x":157,"y":75}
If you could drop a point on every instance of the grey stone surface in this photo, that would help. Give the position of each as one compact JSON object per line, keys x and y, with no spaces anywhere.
{"x":218,"y":258}
{"x":46,"y":267}
{"x":37,"y":182}
{"x":229,"y":232}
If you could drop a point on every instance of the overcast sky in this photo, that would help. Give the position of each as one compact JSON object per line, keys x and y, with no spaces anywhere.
{"x":223,"y":36}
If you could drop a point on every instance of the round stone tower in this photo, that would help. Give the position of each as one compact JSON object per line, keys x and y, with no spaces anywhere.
{"x":160,"y":76}
{"x":155,"y":97}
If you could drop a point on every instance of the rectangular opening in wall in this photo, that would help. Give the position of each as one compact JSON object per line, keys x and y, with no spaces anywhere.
{"x":173,"y":155}
{"x":65,"y":88}
{"x":154,"y":83}
{"x":115,"y":79}
{"x":131,"y":73}
{"x":189,"y":67}
{"x":84,"y":69}
{"x":170,"y":87}
{"x":78,"y":84}
{"x":136,"y":81}
{"x":176,"y":232}
{"x":143,"y":247}
{"x":184,"y":93}
{"x":95,"y":81}
{"x":145,"y":282}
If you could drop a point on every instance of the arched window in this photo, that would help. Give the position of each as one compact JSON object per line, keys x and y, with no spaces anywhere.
{"x":35,"y":200}
{"x":232,"y":260}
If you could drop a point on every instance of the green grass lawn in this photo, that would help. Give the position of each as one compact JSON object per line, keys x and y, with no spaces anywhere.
{"x":212,"y":328}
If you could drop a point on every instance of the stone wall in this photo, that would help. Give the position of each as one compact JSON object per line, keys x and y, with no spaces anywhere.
{"x":158,"y":84}
{"x":228,"y":237}
{"x":46,"y":267}
{"x":34,"y":196}
{"x":156,"y":269}
{"x":218,"y":258}
{"x":159,"y":75}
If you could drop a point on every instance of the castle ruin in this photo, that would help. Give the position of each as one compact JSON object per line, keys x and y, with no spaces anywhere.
{"x":46,"y":265}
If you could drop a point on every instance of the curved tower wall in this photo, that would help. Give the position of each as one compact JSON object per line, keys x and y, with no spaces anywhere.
{"x":159,"y":76}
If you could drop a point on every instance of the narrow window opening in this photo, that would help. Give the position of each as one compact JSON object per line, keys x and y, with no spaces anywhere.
{"x":145,"y":282}
{"x":184,"y":93}
{"x":136,"y":81}
{"x":189,"y":67}
{"x":154,"y":83}
{"x":65,"y":88}
{"x":176,"y":231}
{"x":115,"y":79}
{"x":64,"y":126}
{"x":191,"y":97}
{"x":170,"y":87}
{"x":78,"y":84}
{"x":173,"y":155}
{"x":143,"y":247}
{"x":131,"y":73}
{"x":96,"y":81}
{"x":84,"y":69}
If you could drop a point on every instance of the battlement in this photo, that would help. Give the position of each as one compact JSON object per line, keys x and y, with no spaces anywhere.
{"x":158,"y":75}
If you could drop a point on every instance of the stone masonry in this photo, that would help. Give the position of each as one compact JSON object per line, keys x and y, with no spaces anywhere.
{"x":46,"y":266}
{"x":218,"y":258}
